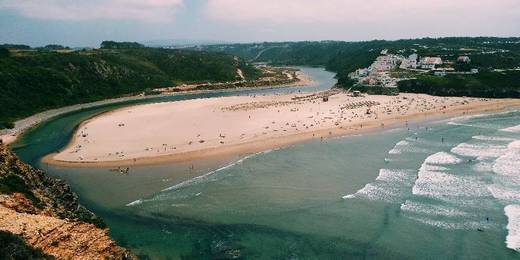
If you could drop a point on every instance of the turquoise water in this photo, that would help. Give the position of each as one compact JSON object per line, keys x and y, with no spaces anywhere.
{"x":437,"y":190}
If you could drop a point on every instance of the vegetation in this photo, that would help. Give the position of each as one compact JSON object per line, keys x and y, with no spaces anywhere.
{"x":484,"y":84}
{"x":11,"y":183}
{"x":4,"y":53}
{"x":34,"y":81}
{"x":13,"y":247}
{"x":29,"y":77}
{"x":15,"y":46}
{"x":486,"y":53}
{"x":121,"y":45}
{"x":55,"y":47}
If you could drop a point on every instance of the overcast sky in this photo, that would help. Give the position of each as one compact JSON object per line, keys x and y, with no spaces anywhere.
{"x":88,"y":22}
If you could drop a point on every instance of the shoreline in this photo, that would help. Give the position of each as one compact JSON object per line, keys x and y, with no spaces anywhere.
{"x":255,"y":146}
{"x":10,"y":136}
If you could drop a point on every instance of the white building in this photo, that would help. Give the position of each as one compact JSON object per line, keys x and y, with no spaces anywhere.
{"x":430,"y":62}
{"x":384,"y":63}
{"x":410,"y":63}
{"x":362,"y":72}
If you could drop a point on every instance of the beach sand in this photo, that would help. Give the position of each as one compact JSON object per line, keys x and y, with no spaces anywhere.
{"x":9,"y":136}
{"x":194,"y":129}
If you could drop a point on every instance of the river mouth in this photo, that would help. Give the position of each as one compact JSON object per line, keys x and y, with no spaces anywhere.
{"x":423,"y":192}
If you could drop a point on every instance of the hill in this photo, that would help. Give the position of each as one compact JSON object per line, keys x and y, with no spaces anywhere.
{"x":32,"y":80}
{"x":488,"y":55}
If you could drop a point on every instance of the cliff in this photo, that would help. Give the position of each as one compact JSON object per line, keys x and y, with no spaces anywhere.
{"x":41,"y":218}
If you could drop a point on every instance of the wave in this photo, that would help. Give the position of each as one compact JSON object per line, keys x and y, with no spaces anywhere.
{"x":481,"y":115}
{"x":446,"y":224}
{"x":471,"y":125}
{"x":481,"y":151}
{"x":410,"y":145}
{"x":509,"y":163}
{"x":390,"y":186}
{"x":507,"y":168}
{"x":134,"y":203}
{"x":483,"y":166}
{"x":200,"y":178}
{"x":492,"y":138}
{"x":396,"y":150}
{"x":442,"y":158}
{"x":205,"y":176}
{"x":505,"y":193}
{"x":513,"y":226}
{"x":513,"y":129}
{"x":432,"y":210}
{"x":435,"y":182}
{"x":373,"y":191}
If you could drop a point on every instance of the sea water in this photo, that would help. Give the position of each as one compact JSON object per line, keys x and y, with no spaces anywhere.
{"x":439,"y":190}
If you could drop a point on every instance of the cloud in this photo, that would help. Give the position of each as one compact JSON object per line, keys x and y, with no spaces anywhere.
{"x":359,"y":11}
{"x":83,"y":10}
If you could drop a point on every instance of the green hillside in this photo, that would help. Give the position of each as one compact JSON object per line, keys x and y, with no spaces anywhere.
{"x":487,"y":54}
{"x":32,"y":81}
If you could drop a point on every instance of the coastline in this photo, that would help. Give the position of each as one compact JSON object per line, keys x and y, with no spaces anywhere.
{"x":10,"y":136}
{"x":275,"y":142}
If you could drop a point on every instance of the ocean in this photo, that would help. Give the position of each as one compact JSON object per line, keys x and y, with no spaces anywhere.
{"x":445,"y":189}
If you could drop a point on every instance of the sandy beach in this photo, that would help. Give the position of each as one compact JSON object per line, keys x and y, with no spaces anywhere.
{"x":9,"y":136}
{"x":186,"y":130}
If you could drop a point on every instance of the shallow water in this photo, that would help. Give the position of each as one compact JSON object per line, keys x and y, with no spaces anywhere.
{"x":439,"y":190}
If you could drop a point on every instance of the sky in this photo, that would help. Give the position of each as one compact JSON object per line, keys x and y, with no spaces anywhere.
{"x":85,"y":23}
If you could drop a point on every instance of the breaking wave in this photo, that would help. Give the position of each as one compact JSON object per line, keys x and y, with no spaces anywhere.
{"x":513,"y":226}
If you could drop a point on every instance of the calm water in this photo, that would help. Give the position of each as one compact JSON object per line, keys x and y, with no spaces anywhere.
{"x":442,"y":190}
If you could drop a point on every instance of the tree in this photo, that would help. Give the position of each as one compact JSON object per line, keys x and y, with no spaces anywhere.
{"x":120,"y":45}
{"x":4,"y":53}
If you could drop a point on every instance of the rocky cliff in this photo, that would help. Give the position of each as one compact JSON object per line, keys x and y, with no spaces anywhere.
{"x":41,"y":218}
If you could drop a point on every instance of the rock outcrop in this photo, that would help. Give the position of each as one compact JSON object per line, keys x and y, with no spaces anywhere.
{"x":41,"y":217}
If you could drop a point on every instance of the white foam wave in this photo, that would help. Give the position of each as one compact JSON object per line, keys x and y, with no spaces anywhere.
{"x":407,"y":146}
{"x":432,"y":210}
{"x":504,"y":193}
{"x":425,"y":142}
{"x":483,"y":166}
{"x":513,"y":226}
{"x":492,"y":138}
{"x":377,"y":192}
{"x":395,"y":151}
{"x":205,"y":176}
{"x":198,"y":179}
{"x":402,"y":143}
{"x":482,"y":115}
{"x":389,"y":186}
{"x":394,"y":175}
{"x":509,"y":163}
{"x":435,"y":183}
{"x":134,"y":203}
{"x":442,"y":158}
{"x":475,"y":125}
{"x":446,"y":224}
{"x":480,"y":151}
{"x":513,"y":129}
